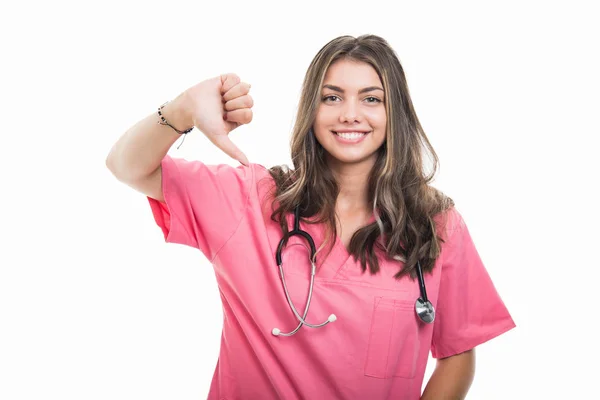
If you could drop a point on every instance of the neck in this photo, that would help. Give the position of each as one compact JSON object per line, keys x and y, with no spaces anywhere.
{"x":352,"y":180}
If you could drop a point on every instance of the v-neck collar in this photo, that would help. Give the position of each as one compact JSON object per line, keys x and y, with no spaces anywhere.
{"x":328,"y":265}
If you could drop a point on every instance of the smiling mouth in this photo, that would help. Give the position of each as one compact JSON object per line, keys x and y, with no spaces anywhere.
{"x":351,"y":135}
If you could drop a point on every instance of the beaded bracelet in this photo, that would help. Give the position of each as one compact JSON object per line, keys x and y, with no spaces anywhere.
{"x":163,"y":121}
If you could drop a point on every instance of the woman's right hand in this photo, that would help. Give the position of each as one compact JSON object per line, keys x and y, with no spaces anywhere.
{"x":217,"y":106}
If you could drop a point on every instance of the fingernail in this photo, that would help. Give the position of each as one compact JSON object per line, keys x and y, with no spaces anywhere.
{"x":225,"y":116}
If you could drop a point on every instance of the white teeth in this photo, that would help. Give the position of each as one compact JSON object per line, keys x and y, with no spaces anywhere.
{"x":350,"y":135}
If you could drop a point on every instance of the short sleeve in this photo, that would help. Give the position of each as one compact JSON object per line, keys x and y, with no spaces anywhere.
{"x":469,"y":309}
{"x":203,"y":205}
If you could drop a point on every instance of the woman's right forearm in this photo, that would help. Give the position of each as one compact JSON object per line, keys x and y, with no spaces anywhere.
{"x":140,"y":150}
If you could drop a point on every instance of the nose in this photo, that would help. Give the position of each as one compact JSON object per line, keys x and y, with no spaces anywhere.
{"x":349,"y":112}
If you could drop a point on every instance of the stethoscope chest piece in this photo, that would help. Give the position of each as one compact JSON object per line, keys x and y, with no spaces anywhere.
{"x":425,"y":310}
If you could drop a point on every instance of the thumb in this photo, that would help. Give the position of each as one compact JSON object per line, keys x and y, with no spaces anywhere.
{"x":224,"y":143}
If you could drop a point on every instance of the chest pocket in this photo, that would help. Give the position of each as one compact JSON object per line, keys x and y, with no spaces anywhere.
{"x":393,"y":339}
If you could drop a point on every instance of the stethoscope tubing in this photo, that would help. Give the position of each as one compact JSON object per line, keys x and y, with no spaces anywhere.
{"x":423,"y":307}
{"x":302,"y":318}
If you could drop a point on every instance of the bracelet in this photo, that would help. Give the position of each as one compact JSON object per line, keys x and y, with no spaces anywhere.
{"x":163,"y":121}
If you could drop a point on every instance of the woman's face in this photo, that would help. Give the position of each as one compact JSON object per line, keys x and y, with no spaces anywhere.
{"x":351,"y":120}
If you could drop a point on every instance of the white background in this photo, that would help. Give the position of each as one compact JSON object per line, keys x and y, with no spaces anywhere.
{"x":94,"y":304}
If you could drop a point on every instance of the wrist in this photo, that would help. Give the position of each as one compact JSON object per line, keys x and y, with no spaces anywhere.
{"x":176,"y":113}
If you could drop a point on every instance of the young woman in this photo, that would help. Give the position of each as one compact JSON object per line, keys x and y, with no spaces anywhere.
{"x":339,"y":276}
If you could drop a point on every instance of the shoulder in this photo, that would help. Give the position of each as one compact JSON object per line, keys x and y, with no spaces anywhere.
{"x":271,"y":178}
{"x":262,"y":174}
{"x":448,"y":221}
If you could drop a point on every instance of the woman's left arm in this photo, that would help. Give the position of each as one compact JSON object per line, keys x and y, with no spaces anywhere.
{"x":451,"y":378}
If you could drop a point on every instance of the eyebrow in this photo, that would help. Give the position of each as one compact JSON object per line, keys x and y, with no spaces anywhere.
{"x":339,"y":89}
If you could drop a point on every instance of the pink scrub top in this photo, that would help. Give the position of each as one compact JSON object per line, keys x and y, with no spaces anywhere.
{"x":377,"y":348}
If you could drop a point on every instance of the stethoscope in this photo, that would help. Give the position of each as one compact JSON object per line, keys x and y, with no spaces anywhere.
{"x":423,"y":306}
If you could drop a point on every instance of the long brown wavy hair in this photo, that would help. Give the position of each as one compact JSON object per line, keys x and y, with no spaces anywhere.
{"x":403,"y":203}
